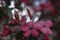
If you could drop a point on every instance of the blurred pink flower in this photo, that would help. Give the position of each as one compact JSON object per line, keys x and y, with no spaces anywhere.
{"x":46,"y":28}
{"x":48,"y":23}
{"x":5,"y":31}
{"x":32,"y":28}
{"x":49,"y":31}
{"x":35,"y":33}
{"x":29,"y":29}
{"x":43,"y":30}
{"x":46,"y":31}
{"x":39,"y":24}
{"x":48,"y":6}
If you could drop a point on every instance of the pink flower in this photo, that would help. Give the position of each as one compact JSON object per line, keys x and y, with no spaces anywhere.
{"x":49,"y":6}
{"x":29,"y":29}
{"x":44,"y":26}
{"x":42,"y":23}
{"x":49,"y":23}
{"x":35,"y":33}
{"x":5,"y":31}
{"x":43,"y":30}
{"x":39,"y":24}
{"x":49,"y":31}
{"x":46,"y":31}
{"x":33,"y":27}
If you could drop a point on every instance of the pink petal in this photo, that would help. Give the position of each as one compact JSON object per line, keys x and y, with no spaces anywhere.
{"x":35,"y":33}
{"x":37,"y":26}
{"x":49,"y":23}
{"x":42,"y":23}
{"x":49,"y":31}
{"x":27,"y":33}
{"x":43,"y":30}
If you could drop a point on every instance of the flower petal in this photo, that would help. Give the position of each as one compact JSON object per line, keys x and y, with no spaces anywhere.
{"x":49,"y":31}
{"x":37,"y":26}
{"x":35,"y":33}
{"x":49,"y":23}
{"x":43,"y":30}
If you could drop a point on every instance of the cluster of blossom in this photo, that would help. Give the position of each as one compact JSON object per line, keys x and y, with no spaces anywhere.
{"x":28,"y":21}
{"x":34,"y":28}
{"x":28,"y":28}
